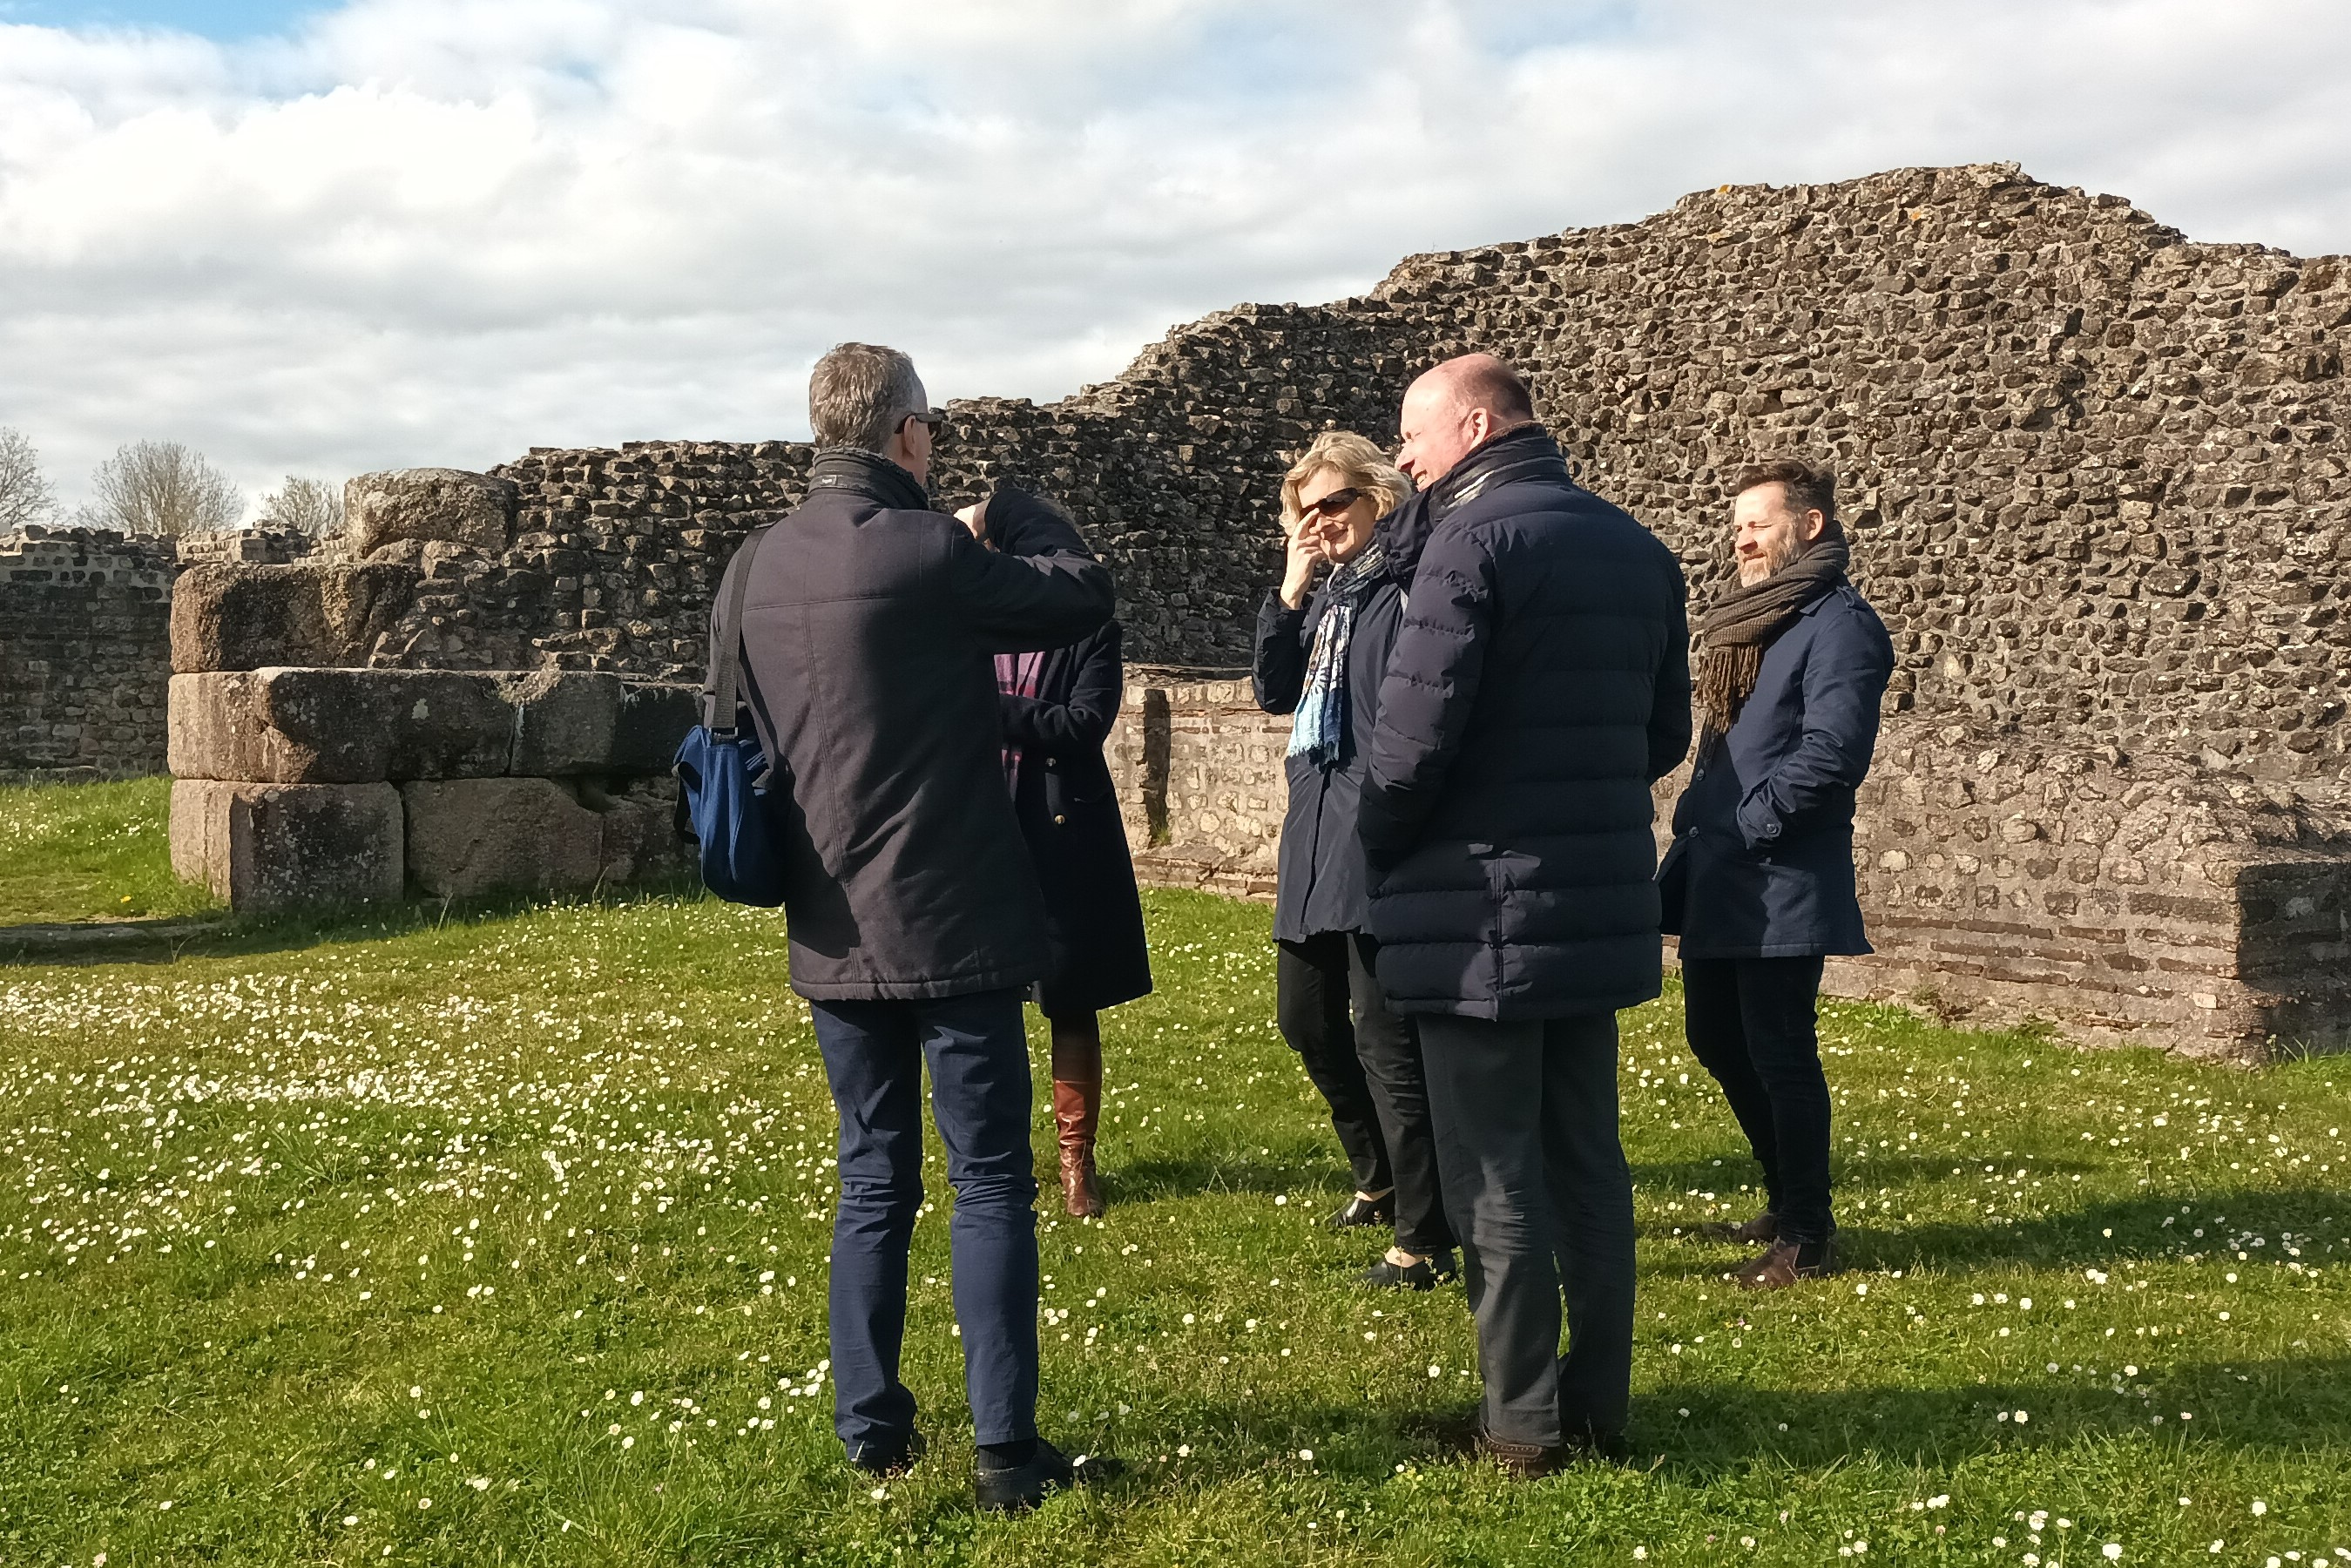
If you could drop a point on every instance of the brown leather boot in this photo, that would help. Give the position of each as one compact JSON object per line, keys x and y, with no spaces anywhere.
{"x":1077,"y":1111}
{"x":1785,"y":1264}
{"x":1760,"y":1231}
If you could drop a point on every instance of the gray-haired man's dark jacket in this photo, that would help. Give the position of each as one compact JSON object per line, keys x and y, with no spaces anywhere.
{"x":867,"y":636}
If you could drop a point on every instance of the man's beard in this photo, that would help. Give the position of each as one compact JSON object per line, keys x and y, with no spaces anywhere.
{"x":1776,"y":556}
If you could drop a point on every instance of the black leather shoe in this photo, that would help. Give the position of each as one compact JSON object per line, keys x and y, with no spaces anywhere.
{"x":1362,"y":1211}
{"x":1423,"y":1275}
{"x":884,"y":1459}
{"x":1015,"y":1488}
{"x":1604,"y":1447}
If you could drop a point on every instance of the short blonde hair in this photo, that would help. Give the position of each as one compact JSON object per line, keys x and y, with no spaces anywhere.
{"x":1357,"y":461}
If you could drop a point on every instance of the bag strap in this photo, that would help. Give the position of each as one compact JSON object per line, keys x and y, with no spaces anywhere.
{"x":724,"y":676}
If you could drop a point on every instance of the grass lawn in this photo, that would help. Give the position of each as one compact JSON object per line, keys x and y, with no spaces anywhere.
{"x":500,"y":1238}
{"x":90,"y":852}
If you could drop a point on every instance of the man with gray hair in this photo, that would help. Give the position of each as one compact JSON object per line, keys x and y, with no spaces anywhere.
{"x":868,"y":620}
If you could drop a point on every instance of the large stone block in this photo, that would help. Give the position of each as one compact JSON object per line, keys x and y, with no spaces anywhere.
{"x":469,"y":837}
{"x":641,"y":841}
{"x":655,"y":716}
{"x":338,"y":726}
{"x":564,"y":722}
{"x":265,"y":847}
{"x":427,"y":506}
{"x":234,"y":616}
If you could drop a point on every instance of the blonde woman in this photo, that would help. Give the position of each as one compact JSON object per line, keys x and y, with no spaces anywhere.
{"x":1320,"y":651}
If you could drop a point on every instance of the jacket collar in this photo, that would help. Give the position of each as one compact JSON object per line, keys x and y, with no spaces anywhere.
{"x":1402,"y":533}
{"x":1526,"y":453}
{"x":867,"y":473}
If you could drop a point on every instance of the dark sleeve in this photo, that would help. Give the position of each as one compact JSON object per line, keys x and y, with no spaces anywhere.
{"x":1040,"y":588}
{"x":718,"y":628}
{"x":1846,"y":672}
{"x":721,"y":628}
{"x":1280,"y":671}
{"x":1669,"y":711}
{"x":1086,"y":719}
{"x":1426,"y":698}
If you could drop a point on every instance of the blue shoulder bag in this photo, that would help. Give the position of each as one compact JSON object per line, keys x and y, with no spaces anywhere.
{"x":729,"y":788}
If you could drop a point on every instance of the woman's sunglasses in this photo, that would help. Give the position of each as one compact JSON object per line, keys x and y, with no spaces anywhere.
{"x":1332,"y":504}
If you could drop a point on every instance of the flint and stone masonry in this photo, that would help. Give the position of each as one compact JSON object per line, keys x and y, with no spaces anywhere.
{"x":2096,"y":477}
{"x":85,"y":645}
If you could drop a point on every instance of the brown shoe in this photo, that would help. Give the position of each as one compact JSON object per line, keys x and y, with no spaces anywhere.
{"x":1519,"y":1461}
{"x":1782,"y":1265}
{"x":1076,"y":1112}
{"x":1760,"y":1231}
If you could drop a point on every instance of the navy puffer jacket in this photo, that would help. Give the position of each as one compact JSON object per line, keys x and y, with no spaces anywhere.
{"x":1539,"y":686}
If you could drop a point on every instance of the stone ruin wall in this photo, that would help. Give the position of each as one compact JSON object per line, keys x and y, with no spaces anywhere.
{"x":85,"y":645}
{"x":2096,"y":480}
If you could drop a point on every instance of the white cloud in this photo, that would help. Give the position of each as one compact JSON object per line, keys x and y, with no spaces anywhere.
{"x":434,"y":231}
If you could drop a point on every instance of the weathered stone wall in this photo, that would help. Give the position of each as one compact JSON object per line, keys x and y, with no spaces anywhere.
{"x":2121,"y":902}
{"x":2096,"y":473}
{"x":82,"y":653}
{"x":85,"y":645}
{"x":2096,"y":477}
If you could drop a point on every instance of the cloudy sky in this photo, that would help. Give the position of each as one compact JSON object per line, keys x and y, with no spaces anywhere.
{"x":320,"y":239}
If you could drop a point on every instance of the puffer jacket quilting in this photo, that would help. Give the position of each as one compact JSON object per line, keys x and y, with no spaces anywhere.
{"x":1539,"y":684}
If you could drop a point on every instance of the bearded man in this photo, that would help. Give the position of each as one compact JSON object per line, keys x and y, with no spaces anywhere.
{"x":1759,"y":884}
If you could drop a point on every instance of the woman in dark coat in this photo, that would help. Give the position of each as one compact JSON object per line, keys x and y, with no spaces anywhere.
{"x":1320,"y":655}
{"x":1058,"y":707}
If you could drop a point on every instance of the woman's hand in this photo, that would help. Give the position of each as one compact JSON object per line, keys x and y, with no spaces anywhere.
{"x":1302,"y":549}
{"x":974,"y":517}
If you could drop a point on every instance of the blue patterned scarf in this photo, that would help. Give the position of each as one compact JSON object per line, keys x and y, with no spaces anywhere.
{"x":1321,"y":724}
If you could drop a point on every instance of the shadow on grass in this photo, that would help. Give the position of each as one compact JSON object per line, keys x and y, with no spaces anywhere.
{"x":2099,"y":1236}
{"x":243,"y":936}
{"x":2246,"y":1407}
{"x":106,"y":941}
{"x":2106,"y":1233}
{"x":1208,"y":1174}
{"x":1693,"y":1431}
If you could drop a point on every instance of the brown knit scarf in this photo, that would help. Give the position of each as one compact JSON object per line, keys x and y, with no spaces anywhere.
{"x":1742,"y":623}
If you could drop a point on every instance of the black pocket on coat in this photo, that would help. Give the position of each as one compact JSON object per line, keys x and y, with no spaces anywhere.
{"x":1673,"y":887}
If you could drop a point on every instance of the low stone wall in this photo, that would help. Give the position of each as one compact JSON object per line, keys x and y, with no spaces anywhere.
{"x":82,"y":653}
{"x":85,"y":645}
{"x":333,"y":787}
{"x":2121,"y":902}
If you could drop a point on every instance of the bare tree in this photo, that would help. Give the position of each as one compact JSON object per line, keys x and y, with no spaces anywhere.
{"x":162,"y":487}
{"x":24,"y":495}
{"x":311,"y":507}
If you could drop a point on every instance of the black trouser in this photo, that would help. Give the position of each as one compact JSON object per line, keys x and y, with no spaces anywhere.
{"x":1366,"y":1062}
{"x":1752,"y":1023}
{"x":1537,"y":1187}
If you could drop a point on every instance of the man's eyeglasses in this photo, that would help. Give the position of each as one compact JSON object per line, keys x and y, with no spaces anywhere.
{"x":933,"y":422}
{"x":1332,"y":504}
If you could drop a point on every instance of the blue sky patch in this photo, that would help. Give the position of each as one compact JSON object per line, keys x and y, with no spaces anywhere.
{"x":221,"y":19}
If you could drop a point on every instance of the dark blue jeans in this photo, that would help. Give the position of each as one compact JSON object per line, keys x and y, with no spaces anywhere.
{"x":979,"y":1054}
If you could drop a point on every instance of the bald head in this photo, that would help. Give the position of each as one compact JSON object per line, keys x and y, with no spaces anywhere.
{"x":1454,"y":408}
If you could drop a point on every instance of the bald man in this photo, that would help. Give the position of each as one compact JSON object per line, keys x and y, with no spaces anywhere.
{"x":1539,"y":685}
